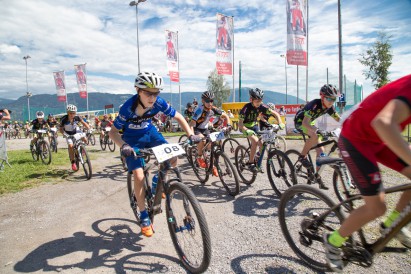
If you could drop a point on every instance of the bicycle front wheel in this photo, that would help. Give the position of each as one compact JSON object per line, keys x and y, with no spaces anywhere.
{"x":92,"y":139}
{"x":111,"y":145}
{"x":280,"y":171}
{"x":86,"y":163}
{"x":280,"y":144}
{"x":103,"y":143}
{"x":188,"y":228}
{"x":227,"y":173}
{"x":45,"y":153}
{"x":302,"y":174}
{"x":247,"y":175}
{"x":304,"y":219}
{"x":200,"y":172}
{"x":229,"y":146}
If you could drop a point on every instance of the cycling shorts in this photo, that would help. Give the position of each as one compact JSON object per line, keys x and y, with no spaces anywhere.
{"x":361,"y":159}
{"x":303,"y":128}
{"x":204,"y":131}
{"x":148,"y":139}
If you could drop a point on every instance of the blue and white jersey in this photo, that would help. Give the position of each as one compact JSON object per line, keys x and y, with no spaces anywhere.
{"x":134,"y":125}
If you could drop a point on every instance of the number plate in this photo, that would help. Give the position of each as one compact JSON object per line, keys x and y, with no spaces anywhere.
{"x":108,"y":128}
{"x":53,"y":129}
{"x":78,"y":136}
{"x":41,"y":131}
{"x":216,"y":136}
{"x":167,"y":151}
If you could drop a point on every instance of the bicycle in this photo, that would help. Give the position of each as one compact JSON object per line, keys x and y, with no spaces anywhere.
{"x":106,"y":141}
{"x":215,"y":157}
{"x":53,"y":140}
{"x":41,"y":148}
{"x":278,"y":165}
{"x":342,"y":182}
{"x":185,"y":219}
{"x":81,"y":154}
{"x":314,"y":213}
{"x":91,"y":139}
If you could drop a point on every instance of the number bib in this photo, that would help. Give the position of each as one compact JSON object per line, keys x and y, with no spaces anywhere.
{"x":167,"y":151}
{"x":216,"y":136}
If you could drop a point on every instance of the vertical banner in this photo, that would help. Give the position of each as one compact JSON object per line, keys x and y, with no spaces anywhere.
{"x":172,"y":55}
{"x":60,"y":85}
{"x":225,"y":30}
{"x":297,"y":32}
{"x":80,"y":71}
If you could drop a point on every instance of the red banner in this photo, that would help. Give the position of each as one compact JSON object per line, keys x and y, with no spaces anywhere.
{"x":224,"y":36}
{"x":60,"y":85}
{"x":172,"y":55}
{"x":80,"y":71}
{"x":297,"y":32}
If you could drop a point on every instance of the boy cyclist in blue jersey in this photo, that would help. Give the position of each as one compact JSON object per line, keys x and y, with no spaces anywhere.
{"x":135,"y":119}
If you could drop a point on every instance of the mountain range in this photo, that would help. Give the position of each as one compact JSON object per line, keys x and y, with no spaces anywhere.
{"x":97,"y":101}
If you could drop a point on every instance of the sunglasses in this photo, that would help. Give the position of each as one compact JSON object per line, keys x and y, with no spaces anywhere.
{"x":330,"y":99}
{"x":149,"y":93}
{"x":208,"y":100}
{"x":72,"y":113}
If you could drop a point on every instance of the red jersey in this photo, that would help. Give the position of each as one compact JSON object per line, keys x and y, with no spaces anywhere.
{"x":357,"y":127}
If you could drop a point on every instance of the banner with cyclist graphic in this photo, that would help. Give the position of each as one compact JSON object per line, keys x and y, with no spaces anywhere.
{"x":296,"y":32}
{"x":224,"y":39}
{"x":80,"y":71}
{"x":60,"y":85}
{"x":172,"y":55}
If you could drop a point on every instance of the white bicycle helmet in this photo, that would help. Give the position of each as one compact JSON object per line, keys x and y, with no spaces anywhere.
{"x":71,"y":108}
{"x":40,"y":114}
{"x":271,"y":106}
{"x":148,"y":80}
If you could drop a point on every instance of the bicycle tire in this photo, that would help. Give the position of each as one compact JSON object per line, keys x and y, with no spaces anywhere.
{"x":188,"y":228}
{"x":301,"y":173}
{"x":86,"y":163}
{"x":34,"y":153}
{"x":343,"y":190}
{"x":241,"y":159}
{"x":103,"y":143}
{"x":111,"y":145}
{"x":235,"y":126}
{"x":229,"y":146}
{"x":299,"y":207}
{"x":133,"y":199}
{"x":45,"y":153}
{"x":92,"y":139}
{"x":280,"y":171}
{"x":280,"y":144}
{"x":182,"y":138}
{"x":201,"y":173}
{"x":227,"y":173}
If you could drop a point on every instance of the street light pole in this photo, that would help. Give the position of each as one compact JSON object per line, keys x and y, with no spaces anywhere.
{"x":135,"y":3}
{"x":28,"y":94}
{"x":286,"y":82}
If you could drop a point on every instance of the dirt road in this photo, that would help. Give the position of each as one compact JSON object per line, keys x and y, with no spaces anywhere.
{"x":77,"y":226}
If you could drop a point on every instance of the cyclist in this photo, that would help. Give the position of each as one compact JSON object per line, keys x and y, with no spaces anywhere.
{"x":304,"y":121}
{"x":371,"y":134}
{"x":264,"y":124}
{"x":96,"y":122}
{"x":69,"y":126}
{"x":16,"y":128}
{"x":52,"y":123}
{"x":104,"y":123}
{"x":189,"y":112}
{"x":247,"y":122}
{"x":38,"y":123}
{"x":138,"y":131}
{"x":200,"y":120}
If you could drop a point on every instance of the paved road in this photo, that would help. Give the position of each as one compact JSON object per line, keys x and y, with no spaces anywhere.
{"x":77,"y":226}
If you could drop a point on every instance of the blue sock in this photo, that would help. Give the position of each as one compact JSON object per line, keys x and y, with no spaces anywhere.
{"x":143,"y":214}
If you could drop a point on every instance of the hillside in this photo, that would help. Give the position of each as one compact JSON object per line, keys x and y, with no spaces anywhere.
{"x":48,"y":103}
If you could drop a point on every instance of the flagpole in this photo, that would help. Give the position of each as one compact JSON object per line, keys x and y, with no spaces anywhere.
{"x":233,"y":62}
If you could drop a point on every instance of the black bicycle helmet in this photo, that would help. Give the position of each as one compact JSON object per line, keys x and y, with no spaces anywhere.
{"x":207,"y":95}
{"x":256,"y":93}
{"x":329,"y":90}
{"x":189,"y":105}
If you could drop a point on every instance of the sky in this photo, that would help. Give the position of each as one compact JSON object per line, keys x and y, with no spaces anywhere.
{"x":60,"y":34}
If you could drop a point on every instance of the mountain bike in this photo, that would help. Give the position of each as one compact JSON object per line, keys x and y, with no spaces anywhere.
{"x":306,"y":213}
{"x":214,"y":157}
{"x":91,"y":139}
{"x":277,"y":164}
{"x":342,"y":182}
{"x":106,"y":141}
{"x":81,"y":154}
{"x":185,"y":219}
{"x":53,"y":140}
{"x":41,"y":148}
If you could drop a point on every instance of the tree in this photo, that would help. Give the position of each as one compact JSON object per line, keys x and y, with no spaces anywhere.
{"x":217,"y":84}
{"x":378,"y":59}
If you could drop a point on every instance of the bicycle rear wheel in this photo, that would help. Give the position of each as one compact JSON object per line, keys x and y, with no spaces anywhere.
{"x":188,"y":228}
{"x":45,"y":153}
{"x":280,"y":171}
{"x":279,"y":143}
{"x":229,"y":146}
{"x":302,"y":222}
{"x":86,"y":163}
{"x":247,"y":175}
{"x":227,"y":173}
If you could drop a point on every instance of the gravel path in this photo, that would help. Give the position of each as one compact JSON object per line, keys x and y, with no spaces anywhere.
{"x":77,"y":226}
